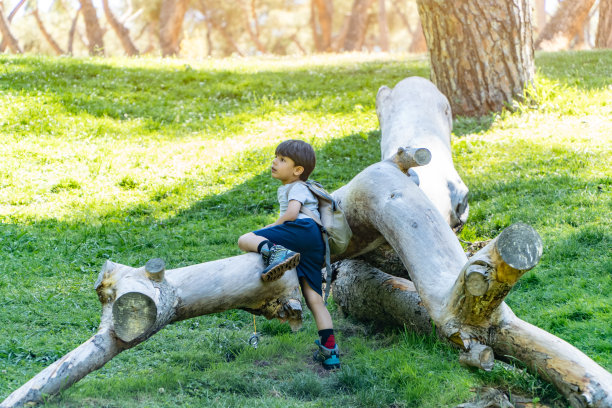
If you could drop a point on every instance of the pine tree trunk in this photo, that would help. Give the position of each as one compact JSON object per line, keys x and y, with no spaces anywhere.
{"x":122,"y":32}
{"x":604,"y":27}
{"x":481,"y":51}
{"x":252,"y":26}
{"x":56,"y":48}
{"x":565,"y":25}
{"x":92,"y":27}
{"x":7,"y":36}
{"x":358,"y":23}
{"x":171,"y":19}
{"x":72,"y":32}
{"x":321,"y":14}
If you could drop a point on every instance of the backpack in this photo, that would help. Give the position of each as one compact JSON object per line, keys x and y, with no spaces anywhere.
{"x":334,"y":227}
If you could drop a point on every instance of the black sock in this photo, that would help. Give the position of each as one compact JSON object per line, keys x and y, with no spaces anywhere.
{"x":327,"y":338}
{"x":262,"y":243}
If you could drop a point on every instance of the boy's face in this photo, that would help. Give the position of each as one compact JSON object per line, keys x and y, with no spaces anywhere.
{"x":284,"y":169}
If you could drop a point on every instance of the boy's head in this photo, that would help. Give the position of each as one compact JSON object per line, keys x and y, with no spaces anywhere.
{"x":301,"y":153}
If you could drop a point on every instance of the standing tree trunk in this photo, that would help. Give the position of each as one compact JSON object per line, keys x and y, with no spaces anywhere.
{"x":565,"y":25}
{"x":357,"y":27}
{"x":9,"y":19}
{"x":122,"y":32}
{"x":321,"y":14}
{"x":72,"y":31}
{"x":481,"y":51}
{"x":7,"y":36}
{"x":171,"y":18}
{"x":604,"y":27}
{"x":56,"y":48}
{"x":383,"y":27}
{"x":92,"y":27}
{"x":252,"y":26}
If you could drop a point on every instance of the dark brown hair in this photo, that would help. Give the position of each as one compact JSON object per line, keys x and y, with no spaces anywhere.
{"x":301,"y":153}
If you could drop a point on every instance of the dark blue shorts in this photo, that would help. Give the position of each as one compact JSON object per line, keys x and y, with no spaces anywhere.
{"x":303,"y":236}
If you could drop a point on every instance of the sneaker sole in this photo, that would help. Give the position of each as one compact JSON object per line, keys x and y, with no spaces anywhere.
{"x":279,"y":270}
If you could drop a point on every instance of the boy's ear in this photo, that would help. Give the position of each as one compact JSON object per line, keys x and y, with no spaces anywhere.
{"x":298,"y":170}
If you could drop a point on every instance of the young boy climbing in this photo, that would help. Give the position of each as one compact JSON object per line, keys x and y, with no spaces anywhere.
{"x":294,"y":239}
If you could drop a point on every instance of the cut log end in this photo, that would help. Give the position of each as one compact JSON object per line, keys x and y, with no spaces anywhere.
{"x":480,"y":356}
{"x":407,"y":157}
{"x":133,"y":315}
{"x":477,"y":279}
{"x":520,"y":246}
{"x":155,"y":269}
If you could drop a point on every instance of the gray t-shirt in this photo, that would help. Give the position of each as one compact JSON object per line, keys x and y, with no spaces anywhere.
{"x":299,"y":192}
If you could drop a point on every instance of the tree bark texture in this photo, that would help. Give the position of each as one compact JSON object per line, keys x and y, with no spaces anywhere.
{"x":122,"y":32}
{"x":94,"y":32}
{"x":54,"y":45}
{"x":7,"y":35}
{"x":357,"y":27}
{"x":567,"y":23}
{"x":603,"y":38}
{"x":171,"y":18}
{"x":481,"y":51}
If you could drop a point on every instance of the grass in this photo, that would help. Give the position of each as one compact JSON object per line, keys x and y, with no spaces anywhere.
{"x":131,"y":159}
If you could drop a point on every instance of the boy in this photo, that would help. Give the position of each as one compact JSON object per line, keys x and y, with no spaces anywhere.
{"x":294,"y":239}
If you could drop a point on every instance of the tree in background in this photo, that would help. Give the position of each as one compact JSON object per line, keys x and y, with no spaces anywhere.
{"x":357,"y":26}
{"x":565,"y":25}
{"x":171,"y":16}
{"x":604,"y":27}
{"x":92,"y":28}
{"x":8,"y":39}
{"x":54,"y":45}
{"x":481,"y":51}
{"x":121,"y":30}
{"x":321,"y":13}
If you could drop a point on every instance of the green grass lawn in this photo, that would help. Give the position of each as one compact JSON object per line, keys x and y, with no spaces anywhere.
{"x":131,"y":159}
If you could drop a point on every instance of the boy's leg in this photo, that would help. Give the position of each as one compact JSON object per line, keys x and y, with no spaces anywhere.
{"x":328,"y":350}
{"x":315,"y":303}
{"x":277,"y":259}
{"x":249,"y":242}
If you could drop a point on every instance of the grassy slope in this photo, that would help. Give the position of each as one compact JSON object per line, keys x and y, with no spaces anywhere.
{"x":134,"y":159}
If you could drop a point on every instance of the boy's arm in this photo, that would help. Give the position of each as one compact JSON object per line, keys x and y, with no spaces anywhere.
{"x":290,"y":215}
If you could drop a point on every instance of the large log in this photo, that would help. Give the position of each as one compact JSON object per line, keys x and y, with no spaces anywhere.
{"x":464,"y":298}
{"x":138,"y":302}
{"x":415,"y":113}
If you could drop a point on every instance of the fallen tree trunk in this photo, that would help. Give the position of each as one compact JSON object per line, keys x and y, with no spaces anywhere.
{"x":138,"y":302}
